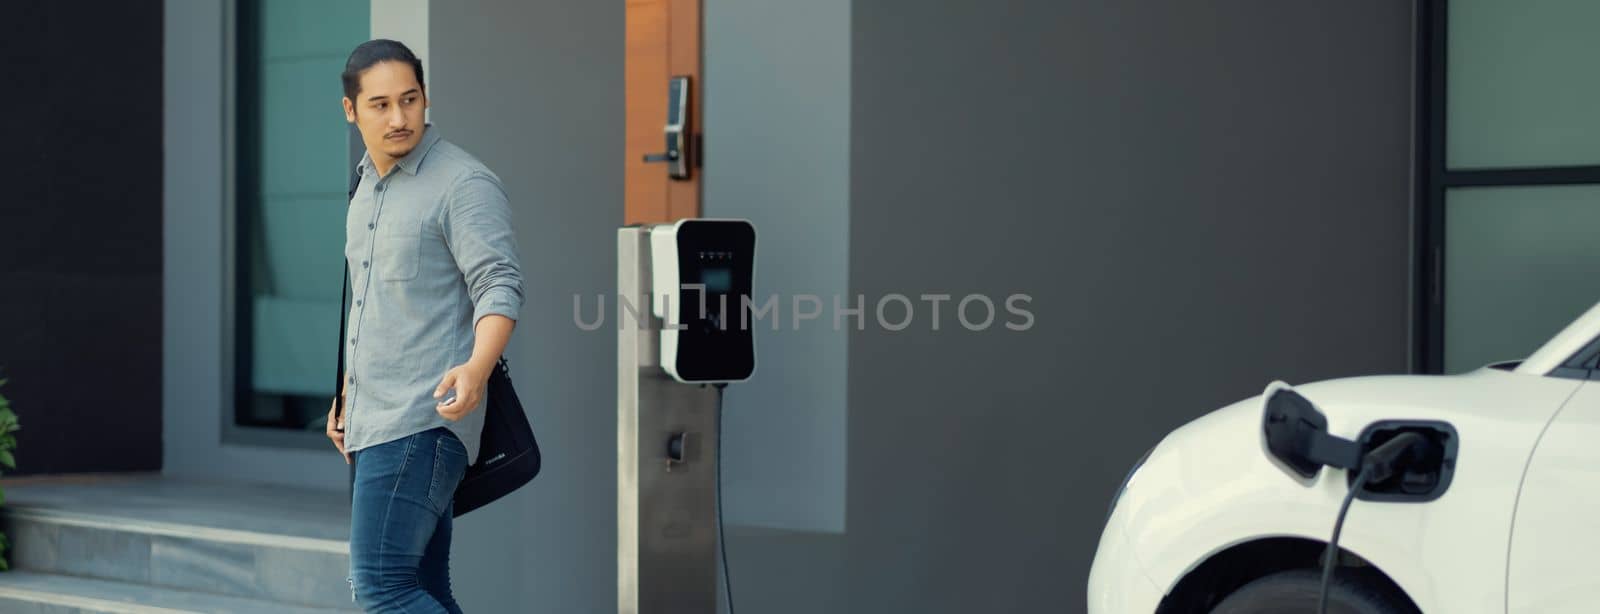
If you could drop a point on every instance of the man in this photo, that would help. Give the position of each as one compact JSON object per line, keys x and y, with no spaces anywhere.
{"x":437,"y":286}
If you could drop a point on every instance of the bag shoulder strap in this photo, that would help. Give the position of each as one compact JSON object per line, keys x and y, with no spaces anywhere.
{"x":338,"y":382}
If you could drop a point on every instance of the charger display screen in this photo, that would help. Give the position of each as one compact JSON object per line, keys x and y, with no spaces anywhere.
{"x":718,"y":280}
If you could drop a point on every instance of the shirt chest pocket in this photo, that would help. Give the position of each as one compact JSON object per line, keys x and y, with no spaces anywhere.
{"x":397,"y":249}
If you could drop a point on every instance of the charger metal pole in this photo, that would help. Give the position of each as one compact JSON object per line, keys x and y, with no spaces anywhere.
{"x":666,"y":508}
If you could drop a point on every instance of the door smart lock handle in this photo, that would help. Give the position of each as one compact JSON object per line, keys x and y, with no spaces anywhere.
{"x":677,"y":130}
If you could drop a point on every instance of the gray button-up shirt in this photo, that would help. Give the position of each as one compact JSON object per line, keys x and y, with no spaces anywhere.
{"x":431,"y":251}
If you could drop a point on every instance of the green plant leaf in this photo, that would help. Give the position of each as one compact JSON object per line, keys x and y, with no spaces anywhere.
{"x":7,"y":460}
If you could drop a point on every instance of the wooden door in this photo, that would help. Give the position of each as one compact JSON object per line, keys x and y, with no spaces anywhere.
{"x":663,"y":41}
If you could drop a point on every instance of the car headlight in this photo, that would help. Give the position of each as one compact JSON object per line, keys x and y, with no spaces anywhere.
{"x":1126,"y":479}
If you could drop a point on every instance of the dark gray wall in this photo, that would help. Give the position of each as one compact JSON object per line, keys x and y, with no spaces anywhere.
{"x":777,"y":109}
{"x":81,"y":234}
{"x":534,"y":89}
{"x":1200,"y":197}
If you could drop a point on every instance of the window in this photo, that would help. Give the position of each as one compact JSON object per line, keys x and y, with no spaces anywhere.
{"x":1509,"y":183}
{"x":293,"y":164}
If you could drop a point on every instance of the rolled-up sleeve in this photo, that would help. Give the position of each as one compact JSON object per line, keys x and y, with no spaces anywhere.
{"x":477,"y":226}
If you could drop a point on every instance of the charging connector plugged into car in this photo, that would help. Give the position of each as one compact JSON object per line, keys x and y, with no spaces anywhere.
{"x":1401,"y":461}
{"x":1421,"y":472}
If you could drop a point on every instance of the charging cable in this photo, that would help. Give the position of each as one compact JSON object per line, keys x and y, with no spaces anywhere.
{"x":1376,"y":466}
{"x":722,"y":542}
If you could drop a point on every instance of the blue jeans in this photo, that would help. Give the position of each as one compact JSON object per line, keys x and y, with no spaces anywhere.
{"x":400,"y":516}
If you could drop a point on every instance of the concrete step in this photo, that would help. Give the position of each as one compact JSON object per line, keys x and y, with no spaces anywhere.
{"x":23,"y":592}
{"x":266,"y":544}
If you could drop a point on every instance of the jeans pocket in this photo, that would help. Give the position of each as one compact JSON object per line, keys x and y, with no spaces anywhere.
{"x":449,"y":464}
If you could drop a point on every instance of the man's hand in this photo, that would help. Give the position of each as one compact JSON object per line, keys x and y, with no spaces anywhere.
{"x":336,"y":436}
{"x":469,"y":380}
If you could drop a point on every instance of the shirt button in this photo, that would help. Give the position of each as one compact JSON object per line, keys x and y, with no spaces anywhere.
{"x":352,"y":380}
{"x":377,"y":188}
{"x":352,"y":341}
{"x":358,"y":302}
{"x":363,"y":264}
{"x":369,"y":226}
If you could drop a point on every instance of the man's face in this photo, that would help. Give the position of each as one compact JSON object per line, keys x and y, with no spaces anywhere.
{"x":388,"y":110}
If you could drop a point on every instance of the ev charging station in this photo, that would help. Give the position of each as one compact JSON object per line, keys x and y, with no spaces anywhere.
{"x":683,"y":290}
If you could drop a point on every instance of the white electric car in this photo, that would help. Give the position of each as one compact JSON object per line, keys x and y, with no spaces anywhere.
{"x":1486,"y":498}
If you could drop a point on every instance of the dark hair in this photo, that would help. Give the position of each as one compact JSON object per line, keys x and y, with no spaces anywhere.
{"x":371,"y":52}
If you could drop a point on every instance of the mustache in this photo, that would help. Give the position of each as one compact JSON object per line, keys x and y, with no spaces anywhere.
{"x":397,"y":132}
